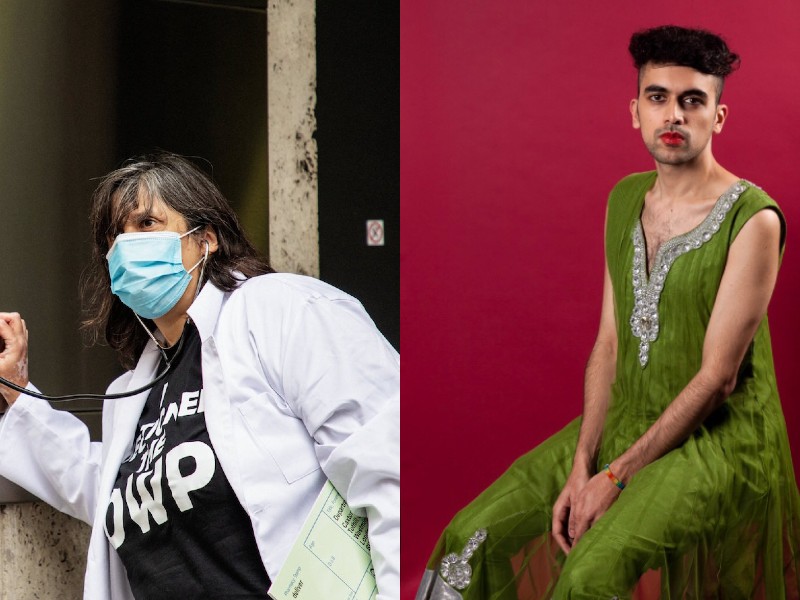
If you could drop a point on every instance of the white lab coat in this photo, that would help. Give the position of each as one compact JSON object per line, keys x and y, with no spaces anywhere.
{"x":298,"y":386}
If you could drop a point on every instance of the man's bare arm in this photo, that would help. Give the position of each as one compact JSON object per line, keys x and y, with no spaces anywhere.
{"x":600,"y":372}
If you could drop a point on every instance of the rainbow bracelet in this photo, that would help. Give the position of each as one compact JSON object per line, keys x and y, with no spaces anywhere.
{"x":613,"y":478}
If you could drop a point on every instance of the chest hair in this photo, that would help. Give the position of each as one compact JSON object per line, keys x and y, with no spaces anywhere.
{"x":663,"y":220}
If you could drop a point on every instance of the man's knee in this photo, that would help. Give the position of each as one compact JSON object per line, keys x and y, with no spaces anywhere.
{"x":594,"y":580}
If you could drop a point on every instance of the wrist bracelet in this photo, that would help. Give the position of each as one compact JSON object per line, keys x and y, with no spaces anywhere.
{"x":613,"y":478}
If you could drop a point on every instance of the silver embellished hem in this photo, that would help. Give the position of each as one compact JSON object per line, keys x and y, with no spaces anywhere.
{"x":455,"y":568}
{"x":647,"y":289}
{"x":433,"y":587}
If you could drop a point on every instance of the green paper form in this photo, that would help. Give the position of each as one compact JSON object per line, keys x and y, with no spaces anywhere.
{"x":330,"y":558}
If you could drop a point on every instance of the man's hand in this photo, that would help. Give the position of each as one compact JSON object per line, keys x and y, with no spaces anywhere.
{"x":562,"y":509}
{"x":14,"y":354}
{"x":592,"y":502}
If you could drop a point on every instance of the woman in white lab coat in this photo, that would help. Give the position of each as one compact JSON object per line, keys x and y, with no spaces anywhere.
{"x":200,"y":485}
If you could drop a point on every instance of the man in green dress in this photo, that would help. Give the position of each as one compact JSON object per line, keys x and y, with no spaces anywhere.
{"x":678,"y":477}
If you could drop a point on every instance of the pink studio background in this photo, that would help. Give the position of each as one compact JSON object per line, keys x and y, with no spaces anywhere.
{"x":514,"y":127}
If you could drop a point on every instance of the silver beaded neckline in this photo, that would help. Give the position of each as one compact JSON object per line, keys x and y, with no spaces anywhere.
{"x":647,"y":290}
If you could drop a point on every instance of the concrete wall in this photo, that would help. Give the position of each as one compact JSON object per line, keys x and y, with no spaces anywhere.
{"x":49,"y":57}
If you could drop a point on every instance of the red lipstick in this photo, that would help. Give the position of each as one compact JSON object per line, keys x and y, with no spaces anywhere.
{"x":671,"y":138}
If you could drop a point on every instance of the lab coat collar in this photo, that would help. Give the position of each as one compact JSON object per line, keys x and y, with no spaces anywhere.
{"x":205,"y":310}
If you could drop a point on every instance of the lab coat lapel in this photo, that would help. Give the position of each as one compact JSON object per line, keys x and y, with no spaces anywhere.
{"x":126,"y":416}
{"x":205,"y":312}
{"x":104,"y":573}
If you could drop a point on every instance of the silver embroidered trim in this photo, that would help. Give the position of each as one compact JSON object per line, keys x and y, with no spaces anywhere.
{"x":433,"y":587}
{"x":455,"y":568}
{"x":647,"y":291}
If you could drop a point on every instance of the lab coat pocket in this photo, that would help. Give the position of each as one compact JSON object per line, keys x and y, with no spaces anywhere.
{"x":283,"y":436}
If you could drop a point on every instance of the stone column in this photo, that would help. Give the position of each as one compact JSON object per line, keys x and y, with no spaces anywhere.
{"x":291,"y":92}
{"x":43,"y":553}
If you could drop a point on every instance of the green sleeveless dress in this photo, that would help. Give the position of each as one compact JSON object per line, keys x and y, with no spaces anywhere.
{"x":717,"y":517}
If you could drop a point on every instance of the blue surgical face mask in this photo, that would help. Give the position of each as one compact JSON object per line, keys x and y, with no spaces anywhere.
{"x":147,"y":271}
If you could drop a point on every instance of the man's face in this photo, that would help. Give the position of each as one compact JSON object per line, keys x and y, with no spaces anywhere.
{"x":677,"y":112}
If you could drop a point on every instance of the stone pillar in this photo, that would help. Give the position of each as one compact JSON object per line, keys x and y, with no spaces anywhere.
{"x":292,"y":171}
{"x":43,"y":553}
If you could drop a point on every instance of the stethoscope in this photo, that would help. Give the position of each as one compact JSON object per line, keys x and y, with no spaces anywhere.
{"x":160,"y":377}
{"x":68,"y":397}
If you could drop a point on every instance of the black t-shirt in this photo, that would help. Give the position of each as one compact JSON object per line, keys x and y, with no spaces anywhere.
{"x":173,"y":516}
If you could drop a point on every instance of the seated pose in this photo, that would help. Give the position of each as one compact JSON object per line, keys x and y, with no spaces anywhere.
{"x":277,"y":382}
{"x":678,"y":478}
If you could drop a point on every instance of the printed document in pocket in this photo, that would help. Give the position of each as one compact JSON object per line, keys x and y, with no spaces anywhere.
{"x":330,"y":558}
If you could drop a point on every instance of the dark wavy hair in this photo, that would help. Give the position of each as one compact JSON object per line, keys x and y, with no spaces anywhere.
{"x":183,"y":187}
{"x":696,"y":48}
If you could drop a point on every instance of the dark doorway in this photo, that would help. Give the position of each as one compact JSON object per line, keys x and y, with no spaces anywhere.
{"x":192,"y":80}
{"x":358,"y":133}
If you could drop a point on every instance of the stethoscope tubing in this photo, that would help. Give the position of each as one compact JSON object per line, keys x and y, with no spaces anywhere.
{"x":117,"y":396}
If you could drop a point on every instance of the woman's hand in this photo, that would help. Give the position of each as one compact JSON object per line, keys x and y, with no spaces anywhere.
{"x":13,"y":354}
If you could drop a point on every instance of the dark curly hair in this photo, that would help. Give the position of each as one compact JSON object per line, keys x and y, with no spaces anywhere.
{"x":696,"y":48}
{"x":183,"y":187}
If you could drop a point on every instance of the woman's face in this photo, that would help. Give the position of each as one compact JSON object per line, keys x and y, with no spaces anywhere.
{"x":153,"y":215}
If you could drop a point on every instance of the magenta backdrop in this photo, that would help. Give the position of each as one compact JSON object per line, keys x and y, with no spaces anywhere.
{"x":514,"y":126}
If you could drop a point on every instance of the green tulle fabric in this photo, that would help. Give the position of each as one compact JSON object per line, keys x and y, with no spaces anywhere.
{"x":718,"y":517}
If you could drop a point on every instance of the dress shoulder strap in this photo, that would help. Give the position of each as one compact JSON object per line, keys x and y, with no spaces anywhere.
{"x":624,"y":207}
{"x":753,"y":200}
